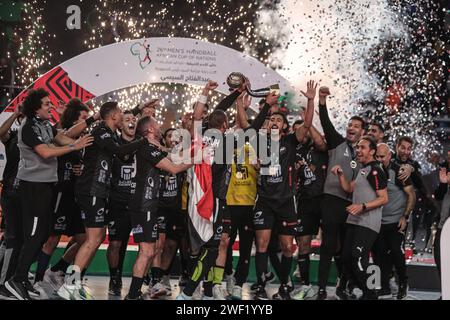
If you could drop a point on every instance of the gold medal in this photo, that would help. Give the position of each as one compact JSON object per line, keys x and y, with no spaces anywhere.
{"x":239,"y":175}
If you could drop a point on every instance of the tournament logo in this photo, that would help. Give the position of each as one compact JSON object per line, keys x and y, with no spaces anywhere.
{"x":104,"y":165}
{"x":155,"y":227}
{"x":150,"y":182}
{"x":142,"y":51}
{"x":219,"y":230}
{"x":258,"y":214}
{"x":61,"y":219}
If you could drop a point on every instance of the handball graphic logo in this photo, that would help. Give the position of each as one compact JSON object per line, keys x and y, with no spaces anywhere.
{"x":142,"y":50}
{"x":60,"y":220}
{"x":258,"y":214}
{"x":127,"y":172}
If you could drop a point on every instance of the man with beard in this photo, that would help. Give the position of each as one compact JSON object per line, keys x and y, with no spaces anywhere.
{"x":119,"y":227}
{"x":376,"y":131}
{"x":275,"y":207}
{"x":404,"y":148}
{"x":312,"y":160}
{"x":335,"y":200}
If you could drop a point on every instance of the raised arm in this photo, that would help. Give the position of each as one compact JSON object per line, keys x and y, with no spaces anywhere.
{"x":318,"y":140}
{"x":331,"y":135}
{"x":6,"y":126}
{"x":76,"y":130}
{"x":203,"y":99}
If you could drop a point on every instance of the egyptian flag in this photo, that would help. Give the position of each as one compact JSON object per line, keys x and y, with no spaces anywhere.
{"x":200,"y":204}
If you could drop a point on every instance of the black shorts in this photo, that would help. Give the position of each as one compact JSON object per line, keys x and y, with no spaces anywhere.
{"x":222,"y":219}
{"x":309,"y":216}
{"x":174,"y":223}
{"x":162,"y":221}
{"x":119,"y":221}
{"x":145,"y":226}
{"x":93,"y":211}
{"x":66,"y":215}
{"x":276,"y":213}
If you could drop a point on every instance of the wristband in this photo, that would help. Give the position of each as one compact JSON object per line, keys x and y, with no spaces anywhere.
{"x":89,"y":121}
{"x":364,"y":207}
{"x":202,"y":99}
{"x":72,"y":146}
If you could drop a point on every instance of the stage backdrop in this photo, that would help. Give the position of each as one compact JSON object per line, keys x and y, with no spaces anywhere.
{"x":152,"y":60}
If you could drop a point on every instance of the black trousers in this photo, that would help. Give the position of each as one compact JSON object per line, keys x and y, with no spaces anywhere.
{"x":333,"y":226}
{"x":35,"y":198}
{"x":12,"y":214}
{"x":355,"y":254}
{"x":242,"y":222}
{"x":389,"y":250}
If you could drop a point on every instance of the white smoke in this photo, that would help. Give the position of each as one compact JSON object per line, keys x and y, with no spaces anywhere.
{"x":329,"y":41}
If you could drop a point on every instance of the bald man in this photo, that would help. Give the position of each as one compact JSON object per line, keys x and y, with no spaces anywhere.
{"x":389,"y":246}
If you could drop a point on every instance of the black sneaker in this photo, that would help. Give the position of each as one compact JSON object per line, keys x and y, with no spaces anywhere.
{"x":254,"y":287}
{"x":115,"y":287}
{"x":283,"y":293}
{"x":138,"y":298}
{"x":341,"y":294}
{"x":32,"y":292}
{"x":5,"y":294}
{"x":261,"y":294}
{"x":147,"y":279}
{"x":18,"y":289}
{"x":384,"y":293}
{"x":402,"y":291}
{"x":321,"y":294}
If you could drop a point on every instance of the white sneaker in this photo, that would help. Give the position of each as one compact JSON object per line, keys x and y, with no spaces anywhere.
{"x":75,"y":292}
{"x":197,"y":295}
{"x":166,"y":283}
{"x":55,"y":279}
{"x":231,"y":281}
{"x":236,"y":293}
{"x":218,"y":293}
{"x":157,"y":291}
{"x":70,"y":292}
{"x":304,"y":293}
{"x":42,"y":293}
